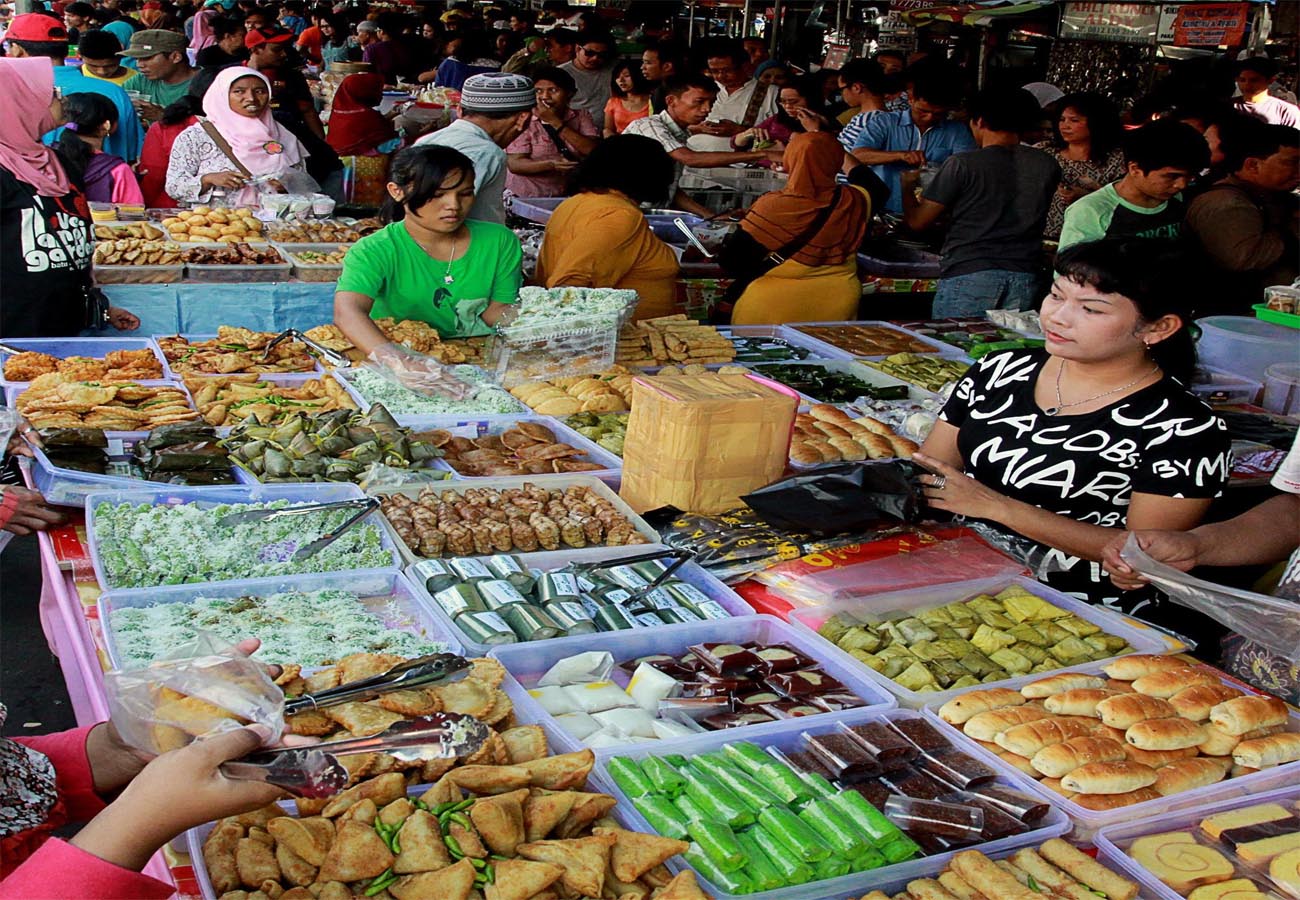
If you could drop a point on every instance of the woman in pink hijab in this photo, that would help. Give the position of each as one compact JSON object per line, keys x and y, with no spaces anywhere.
{"x":238,"y":151}
{"x":46,"y":241}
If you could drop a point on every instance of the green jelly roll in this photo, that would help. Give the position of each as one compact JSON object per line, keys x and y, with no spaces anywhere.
{"x":722,"y":803}
{"x":758,"y":868}
{"x":755,"y":796}
{"x":731,"y":882}
{"x":629,"y":777}
{"x":818,"y":786}
{"x":665,"y":779}
{"x":662,"y":816}
{"x":899,"y":849}
{"x":839,"y":834}
{"x":832,"y":867}
{"x":691,"y":810}
{"x":871,"y":859}
{"x":782,"y":858}
{"x":719,"y":843}
{"x":870,"y":820}
{"x":790,"y":830}
{"x":750,"y":757}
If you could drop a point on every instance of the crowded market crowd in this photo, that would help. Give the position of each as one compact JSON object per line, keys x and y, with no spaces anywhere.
{"x":1120,"y":227}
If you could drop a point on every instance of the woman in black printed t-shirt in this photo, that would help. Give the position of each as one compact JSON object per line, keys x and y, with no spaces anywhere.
{"x":1093,"y":433}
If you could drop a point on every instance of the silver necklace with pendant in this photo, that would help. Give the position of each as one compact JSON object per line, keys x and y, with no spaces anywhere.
{"x":1054,"y":410}
{"x":447,"y":277}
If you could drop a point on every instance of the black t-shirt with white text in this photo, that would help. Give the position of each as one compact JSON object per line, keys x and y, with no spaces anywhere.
{"x":1160,"y":440}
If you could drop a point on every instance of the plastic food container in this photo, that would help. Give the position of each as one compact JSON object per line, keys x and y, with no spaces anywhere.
{"x":945,"y":350}
{"x":139,"y":274}
{"x":307,"y":271}
{"x":882,"y":607}
{"x":549,"y":482}
{"x":316,"y":370}
{"x":345,"y":376}
{"x":1113,"y":842}
{"x":96,"y":348}
{"x":787,"y":737}
{"x":1282,"y":388}
{"x":386,"y":595}
{"x":70,"y":487}
{"x":1217,"y":386}
{"x":228,"y":274}
{"x":817,"y":349}
{"x":1087,"y":822}
{"x":527,"y":662}
{"x":611,"y":466}
{"x":871,"y":376}
{"x":1244,"y":346}
{"x":207,"y":497}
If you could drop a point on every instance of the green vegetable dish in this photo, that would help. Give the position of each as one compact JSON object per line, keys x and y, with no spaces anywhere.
{"x":485,"y":398}
{"x":145,"y":546}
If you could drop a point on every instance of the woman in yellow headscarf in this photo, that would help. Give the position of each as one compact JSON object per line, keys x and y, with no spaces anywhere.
{"x":813,"y":227}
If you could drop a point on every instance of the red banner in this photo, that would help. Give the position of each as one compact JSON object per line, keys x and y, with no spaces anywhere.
{"x":1203,"y":24}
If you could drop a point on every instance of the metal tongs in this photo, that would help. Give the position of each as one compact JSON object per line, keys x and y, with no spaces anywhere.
{"x":436,"y":668}
{"x":364,"y":506}
{"x":690,"y":236}
{"x":333,"y":357}
{"x":666,"y":553}
{"x":316,"y":772}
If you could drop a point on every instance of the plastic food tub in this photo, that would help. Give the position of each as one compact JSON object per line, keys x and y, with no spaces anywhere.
{"x":882,"y":607}
{"x":787,"y":737}
{"x":611,"y":466}
{"x":344,"y":377}
{"x":172,"y":274}
{"x":1113,"y":842}
{"x":527,"y":663}
{"x":234,"y":274}
{"x":70,"y":487}
{"x":1282,"y":388}
{"x":1277,"y":316}
{"x":1217,"y":386}
{"x":549,"y":482}
{"x":864,"y":373}
{"x":316,"y":370}
{"x":1244,"y":346}
{"x":555,"y":559}
{"x":206,"y":497}
{"x":96,"y":348}
{"x":1087,"y":822}
{"x":817,"y":349}
{"x":945,"y":350}
{"x":305,"y":271}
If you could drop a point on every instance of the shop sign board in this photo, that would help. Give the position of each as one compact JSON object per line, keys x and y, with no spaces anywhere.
{"x":1128,"y":23}
{"x":1203,"y":24}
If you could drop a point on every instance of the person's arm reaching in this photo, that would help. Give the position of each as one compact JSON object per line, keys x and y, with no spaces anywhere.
{"x":352,"y":316}
{"x":918,"y":214}
{"x":871,"y":157}
{"x":683,"y":201}
{"x":707,"y":159}
{"x":522,"y":164}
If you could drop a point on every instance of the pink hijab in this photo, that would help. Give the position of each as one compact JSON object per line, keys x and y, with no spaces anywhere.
{"x":203,"y":34}
{"x":28,"y":85}
{"x":251,"y":140}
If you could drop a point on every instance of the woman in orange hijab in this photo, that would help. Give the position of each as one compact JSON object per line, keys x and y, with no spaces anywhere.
{"x":813,"y":227}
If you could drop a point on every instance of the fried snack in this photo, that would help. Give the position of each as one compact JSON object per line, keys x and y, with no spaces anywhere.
{"x":317,"y":258}
{"x":136,"y":252}
{"x":237,"y":254}
{"x":140,"y":230}
{"x":234,"y":350}
{"x":418,"y":336}
{"x":517,"y":451}
{"x":232,"y":399}
{"x":56,"y":401}
{"x":321,"y":231}
{"x":672,"y":339}
{"x":203,"y":223}
{"x":117,"y":365}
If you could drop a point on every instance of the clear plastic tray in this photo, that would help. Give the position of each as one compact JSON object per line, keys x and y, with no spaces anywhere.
{"x":1088,"y":822}
{"x":172,"y":495}
{"x":344,"y":377}
{"x":228,"y":274}
{"x":386,"y":595}
{"x":546,"y":352}
{"x":849,"y":367}
{"x":1054,"y":824}
{"x":1113,"y":842}
{"x":881,"y":607}
{"x":527,"y":662}
{"x":316,"y":371}
{"x":139,"y":274}
{"x":818,"y":349}
{"x":549,"y":482}
{"x":70,"y":487}
{"x":945,"y":350}
{"x":611,"y":466}
{"x":97,"y":348}
{"x":1217,"y":386}
{"x":315,"y":272}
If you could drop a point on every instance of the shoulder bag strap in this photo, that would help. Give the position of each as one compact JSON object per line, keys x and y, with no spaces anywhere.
{"x":780,"y":255}
{"x":224,"y":146}
{"x":755,"y":102}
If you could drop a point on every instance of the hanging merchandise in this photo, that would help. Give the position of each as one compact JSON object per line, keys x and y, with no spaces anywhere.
{"x":1117,"y":71}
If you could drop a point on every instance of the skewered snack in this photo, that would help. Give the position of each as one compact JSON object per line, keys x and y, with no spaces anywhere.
{"x":141,"y":230}
{"x":322,"y":231}
{"x":57,"y":401}
{"x":484,"y":521}
{"x":415,"y":335}
{"x":117,"y":365}
{"x":203,"y":223}
{"x":527,"y":448}
{"x":238,"y":254}
{"x":136,"y":252}
{"x":827,"y":434}
{"x":231,"y":399}
{"x":672,"y":339}
{"x":234,"y":350}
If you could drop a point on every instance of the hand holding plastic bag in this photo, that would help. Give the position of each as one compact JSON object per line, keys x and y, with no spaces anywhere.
{"x":417,"y":372}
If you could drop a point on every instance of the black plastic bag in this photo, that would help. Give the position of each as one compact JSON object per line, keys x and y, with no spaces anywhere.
{"x":841,"y":498}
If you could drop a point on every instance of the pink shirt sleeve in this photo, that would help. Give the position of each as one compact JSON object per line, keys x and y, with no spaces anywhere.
{"x":125,"y":187}
{"x":73,"y":778}
{"x":587,"y":125}
{"x":60,"y":871}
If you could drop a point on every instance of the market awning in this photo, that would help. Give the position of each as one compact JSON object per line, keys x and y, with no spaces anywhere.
{"x":973,"y":13}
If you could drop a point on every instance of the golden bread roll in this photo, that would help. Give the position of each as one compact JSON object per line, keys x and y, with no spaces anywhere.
{"x":1056,"y":684}
{"x":1103,"y":802}
{"x":1186,"y":774}
{"x":1028,"y":739}
{"x":1273,"y":750}
{"x":1169,"y":682}
{"x":1127,"y":710}
{"x":1242,"y":714}
{"x":1165,"y":734}
{"x":957,"y":710}
{"x":1133,"y":667}
{"x":1121,"y":777}
{"x":988,"y":725}
{"x":1060,"y":759}
{"x":1157,"y":758}
{"x":1078,"y":702}
{"x":1195,"y":702}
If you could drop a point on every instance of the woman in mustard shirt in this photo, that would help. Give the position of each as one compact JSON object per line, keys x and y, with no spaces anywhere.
{"x":431,"y":264}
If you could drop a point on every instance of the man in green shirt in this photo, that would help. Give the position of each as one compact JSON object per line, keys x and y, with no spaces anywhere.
{"x":165,"y":72}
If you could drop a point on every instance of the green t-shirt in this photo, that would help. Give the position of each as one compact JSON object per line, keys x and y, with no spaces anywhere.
{"x":157,"y":92}
{"x":406,"y":283}
{"x":1105,"y":214}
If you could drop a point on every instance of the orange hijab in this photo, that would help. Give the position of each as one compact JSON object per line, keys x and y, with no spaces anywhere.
{"x":813,"y":160}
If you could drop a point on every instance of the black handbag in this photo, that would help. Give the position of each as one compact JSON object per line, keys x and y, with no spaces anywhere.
{"x":744,"y":259}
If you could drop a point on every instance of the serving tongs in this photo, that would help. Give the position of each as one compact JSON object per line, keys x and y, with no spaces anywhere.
{"x":316,"y":772}
{"x":423,"y":671}
{"x":690,"y":236}
{"x":364,"y":506}
{"x":333,"y":357}
{"x":628,"y":560}
{"x":5,"y":348}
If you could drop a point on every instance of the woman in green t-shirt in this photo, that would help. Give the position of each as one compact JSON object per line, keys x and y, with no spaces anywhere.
{"x":431,"y":263}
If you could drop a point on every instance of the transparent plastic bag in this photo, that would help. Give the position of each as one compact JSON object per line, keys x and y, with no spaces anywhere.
{"x":203,"y":688}
{"x":1271,"y":622}
{"x":417,"y":372}
{"x":378,"y":478}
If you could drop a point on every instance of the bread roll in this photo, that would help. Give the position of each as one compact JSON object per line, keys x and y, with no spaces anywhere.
{"x":1019,"y":763}
{"x":1119,"y":687}
{"x":1157,"y":758}
{"x":1059,"y":760}
{"x":1109,"y":778}
{"x":1186,"y":774}
{"x":805,"y":453}
{"x":874,"y":425}
{"x":959,"y":709}
{"x":988,"y":725}
{"x":1196,"y":702}
{"x":928,"y":889}
{"x":1238,"y":771}
{"x":1242,"y":714}
{"x":1064,"y":681}
{"x":877,"y":447}
{"x":1131,"y":668}
{"x":1028,"y":739}
{"x":1217,"y":742}
{"x":1078,"y":702}
{"x":1165,"y":734}
{"x":830,"y":430}
{"x":1102,"y":730}
{"x":903,"y":447}
{"x":1103,"y":802}
{"x":1273,"y":750}
{"x":1054,"y":784}
{"x":826,"y":413}
{"x":850,"y":449}
{"x":1169,"y":682}
{"x":1127,"y":710}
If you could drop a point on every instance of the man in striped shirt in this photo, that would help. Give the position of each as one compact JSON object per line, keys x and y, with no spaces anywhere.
{"x":863,"y":85}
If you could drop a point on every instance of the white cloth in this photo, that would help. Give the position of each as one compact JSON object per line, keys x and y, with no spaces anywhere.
{"x":489,"y":166}
{"x":662,"y":128}
{"x":1271,"y":110}
{"x":194,"y":155}
{"x":592,"y":89}
{"x":731,"y":107}
{"x":1287,"y":476}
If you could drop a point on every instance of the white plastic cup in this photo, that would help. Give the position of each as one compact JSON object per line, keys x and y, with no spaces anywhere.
{"x":1282,"y":388}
